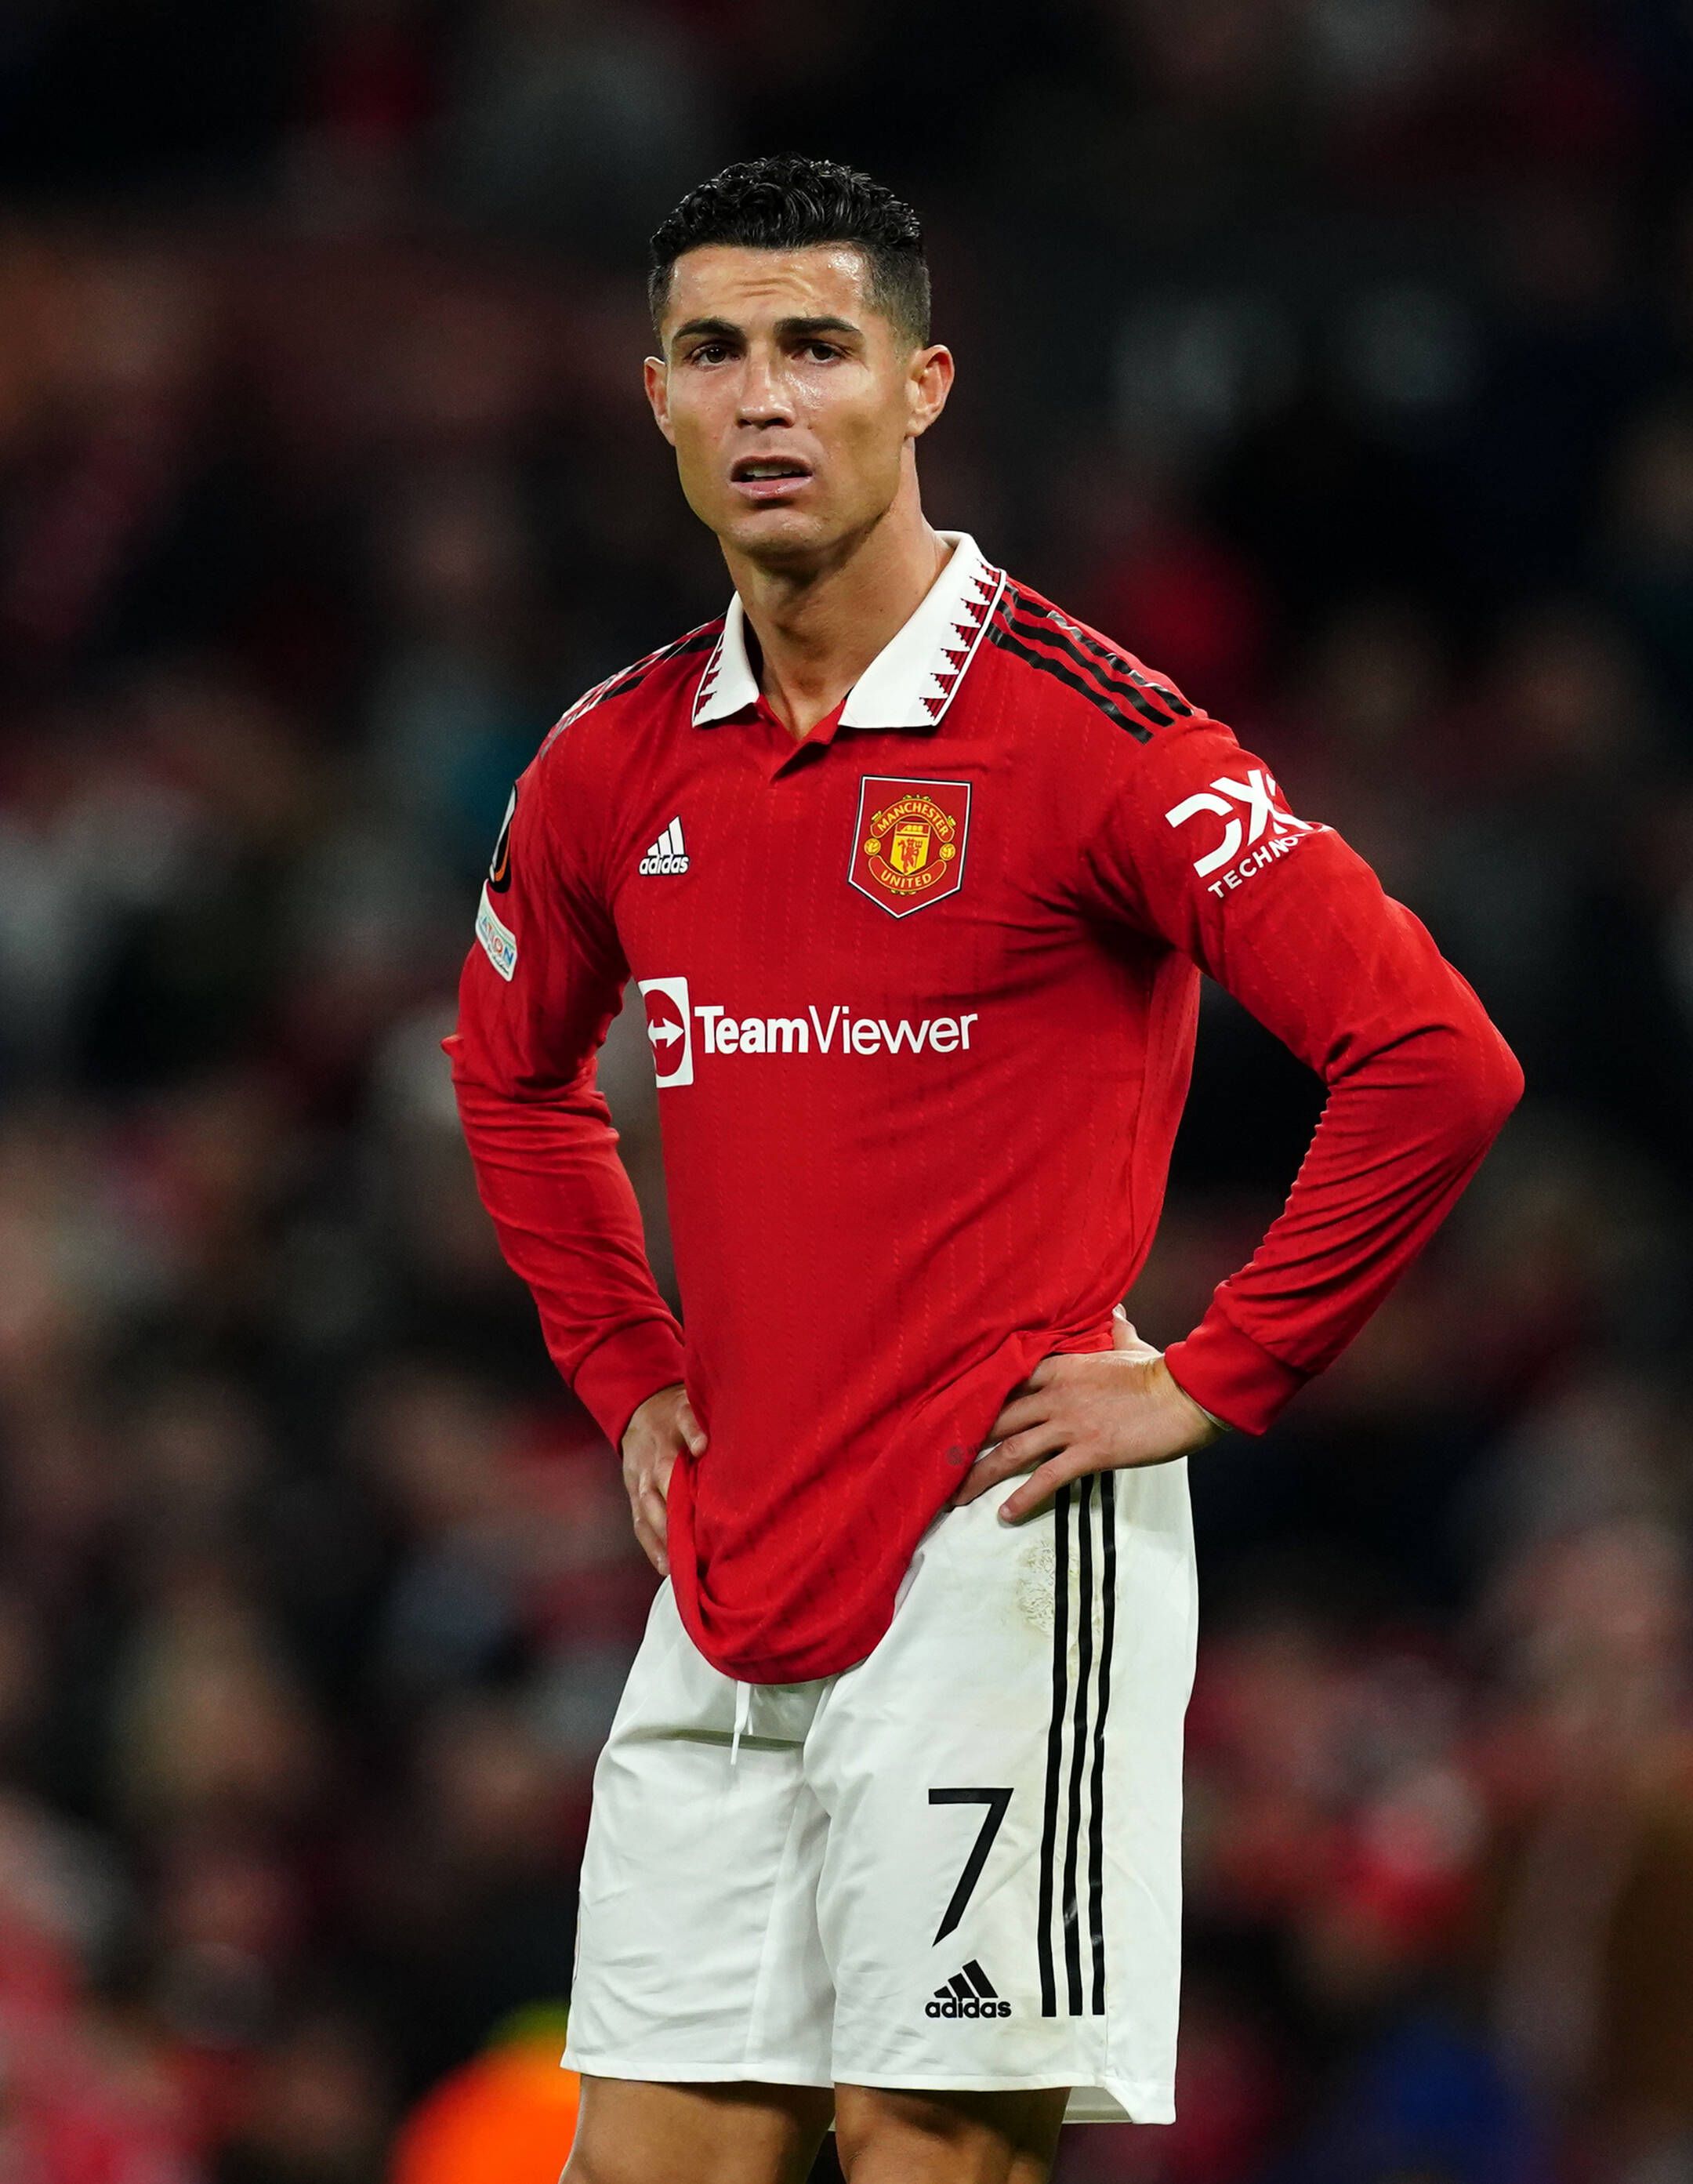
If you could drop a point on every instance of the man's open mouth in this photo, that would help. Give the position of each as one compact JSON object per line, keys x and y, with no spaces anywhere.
{"x":769,"y":469}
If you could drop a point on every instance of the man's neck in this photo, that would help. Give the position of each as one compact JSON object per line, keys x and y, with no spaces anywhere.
{"x":819,"y":628}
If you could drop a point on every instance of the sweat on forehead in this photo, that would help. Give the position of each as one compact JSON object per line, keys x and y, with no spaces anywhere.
{"x":737,"y":290}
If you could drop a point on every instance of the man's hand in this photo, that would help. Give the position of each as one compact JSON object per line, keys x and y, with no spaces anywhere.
{"x":656,"y":1434}
{"x":1099,"y":1410}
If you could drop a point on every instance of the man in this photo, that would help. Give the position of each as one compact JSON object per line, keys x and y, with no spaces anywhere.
{"x":916,"y":875}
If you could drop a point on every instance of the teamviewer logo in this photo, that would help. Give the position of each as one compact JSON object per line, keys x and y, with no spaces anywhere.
{"x":670,"y":1029}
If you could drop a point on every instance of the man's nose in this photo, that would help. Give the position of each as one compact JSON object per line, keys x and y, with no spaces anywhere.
{"x":765,"y":398}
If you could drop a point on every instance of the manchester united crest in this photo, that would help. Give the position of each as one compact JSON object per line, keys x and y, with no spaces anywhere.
{"x":910,"y":841}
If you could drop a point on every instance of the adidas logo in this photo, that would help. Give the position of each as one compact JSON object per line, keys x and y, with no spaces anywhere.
{"x":666,"y":855}
{"x":968,"y":1993}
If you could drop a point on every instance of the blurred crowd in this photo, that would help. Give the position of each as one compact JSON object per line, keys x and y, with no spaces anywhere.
{"x":1336,"y":356}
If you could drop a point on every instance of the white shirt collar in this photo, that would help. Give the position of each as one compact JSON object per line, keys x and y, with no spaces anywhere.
{"x":915,"y":677}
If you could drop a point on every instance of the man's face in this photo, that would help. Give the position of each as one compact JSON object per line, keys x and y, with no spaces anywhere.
{"x":791,"y":401}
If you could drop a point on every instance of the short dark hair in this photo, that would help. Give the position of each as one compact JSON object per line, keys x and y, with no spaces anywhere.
{"x":790,"y":204}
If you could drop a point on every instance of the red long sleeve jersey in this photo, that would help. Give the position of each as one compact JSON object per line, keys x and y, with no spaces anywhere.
{"x":922,"y":990}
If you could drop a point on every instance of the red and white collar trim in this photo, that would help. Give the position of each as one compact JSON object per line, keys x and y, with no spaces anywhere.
{"x":915,"y":677}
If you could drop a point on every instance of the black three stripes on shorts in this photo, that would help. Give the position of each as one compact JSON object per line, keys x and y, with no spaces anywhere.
{"x":1073,"y":1838}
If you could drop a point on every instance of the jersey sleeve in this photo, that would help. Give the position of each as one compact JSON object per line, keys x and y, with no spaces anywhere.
{"x":1197,"y":846}
{"x":540,"y":986}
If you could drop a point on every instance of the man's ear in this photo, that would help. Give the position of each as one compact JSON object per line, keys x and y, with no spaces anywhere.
{"x":656,"y":377}
{"x":928,"y":385}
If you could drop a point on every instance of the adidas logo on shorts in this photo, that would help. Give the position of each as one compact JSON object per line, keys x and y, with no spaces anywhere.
{"x":666,"y":855}
{"x":968,"y":1993}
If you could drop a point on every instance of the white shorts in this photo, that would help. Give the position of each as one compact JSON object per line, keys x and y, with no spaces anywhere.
{"x":956,"y":1864}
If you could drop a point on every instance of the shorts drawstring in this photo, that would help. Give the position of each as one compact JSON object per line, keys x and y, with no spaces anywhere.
{"x":743,"y":1709}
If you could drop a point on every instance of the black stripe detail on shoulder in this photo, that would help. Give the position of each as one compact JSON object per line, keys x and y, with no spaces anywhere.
{"x":700,"y":640}
{"x":630,"y":678}
{"x":1042,"y":632}
{"x":1001,"y":635}
{"x":1163,"y":692}
{"x":1110,"y":656}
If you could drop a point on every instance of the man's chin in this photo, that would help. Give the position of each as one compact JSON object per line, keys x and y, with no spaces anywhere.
{"x":777,"y":535}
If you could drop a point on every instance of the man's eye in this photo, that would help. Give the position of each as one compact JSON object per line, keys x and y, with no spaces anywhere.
{"x":710,"y":353}
{"x":821,"y":351}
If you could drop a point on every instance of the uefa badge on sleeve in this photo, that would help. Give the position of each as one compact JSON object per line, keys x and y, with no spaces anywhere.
{"x":909,"y":848}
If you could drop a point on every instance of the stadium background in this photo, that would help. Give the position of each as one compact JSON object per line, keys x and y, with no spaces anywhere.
{"x":1335,"y":354}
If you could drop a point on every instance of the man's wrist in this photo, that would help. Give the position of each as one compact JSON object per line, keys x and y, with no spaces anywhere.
{"x":621,"y":1373}
{"x":1224,"y":1370}
{"x":670,"y":1388}
{"x":1191,"y":1403}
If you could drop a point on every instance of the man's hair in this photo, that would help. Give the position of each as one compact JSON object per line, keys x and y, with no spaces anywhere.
{"x":790,"y":204}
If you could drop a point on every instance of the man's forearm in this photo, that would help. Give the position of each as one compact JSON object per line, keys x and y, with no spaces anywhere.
{"x":561,"y":1203}
{"x":1401,"y":1132}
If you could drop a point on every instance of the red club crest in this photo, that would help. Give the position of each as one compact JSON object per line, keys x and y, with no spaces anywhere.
{"x":908,"y":846}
